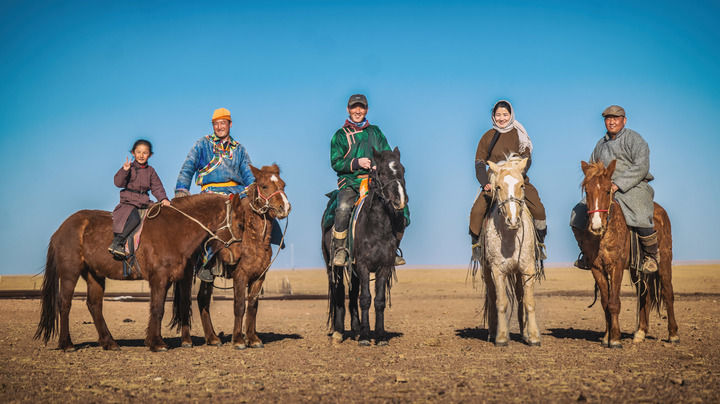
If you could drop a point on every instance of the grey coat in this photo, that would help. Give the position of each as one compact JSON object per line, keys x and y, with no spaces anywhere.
{"x":632,"y":174}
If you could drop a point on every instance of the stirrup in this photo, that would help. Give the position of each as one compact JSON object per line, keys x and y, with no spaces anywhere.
{"x":205,"y":275}
{"x":580,"y":262}
{"x":399,"y":260}
{"x":542,"y":252}
{"x":340,"y":258}
{"x":117,"y":250}
{"x":649,"y":265}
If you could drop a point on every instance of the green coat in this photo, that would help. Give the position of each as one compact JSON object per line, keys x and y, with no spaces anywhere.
{"x":346,"y":146}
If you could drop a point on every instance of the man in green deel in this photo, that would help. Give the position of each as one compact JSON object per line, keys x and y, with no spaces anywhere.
{"x":351,"y":150}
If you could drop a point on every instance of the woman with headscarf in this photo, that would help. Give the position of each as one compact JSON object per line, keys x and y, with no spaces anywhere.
{"x":506,"y":137}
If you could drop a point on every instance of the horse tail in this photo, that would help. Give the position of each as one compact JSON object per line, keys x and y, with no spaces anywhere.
{"x":654,"y":288}
{"x":182,"y":303}
{"x":48,"y":325}
{"x":595,"y":298}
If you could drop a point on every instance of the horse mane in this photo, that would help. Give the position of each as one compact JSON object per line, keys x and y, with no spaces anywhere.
{"x":593,"y":170}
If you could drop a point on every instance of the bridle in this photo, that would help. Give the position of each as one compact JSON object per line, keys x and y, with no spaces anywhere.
{"x":264,"y":201}
{"x":607,"y":219}
{"x":379,"y":187}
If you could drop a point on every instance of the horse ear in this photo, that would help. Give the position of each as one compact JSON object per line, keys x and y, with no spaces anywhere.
{"x":276,"y":168}
{"x":375,"y":153}
{"x":254,"y":170}
{"x":584,"y":166}
{"x":493,"y":166}
{"x":611,"y":168}
{"x":396,"y":151}
{"x":523,"y":164}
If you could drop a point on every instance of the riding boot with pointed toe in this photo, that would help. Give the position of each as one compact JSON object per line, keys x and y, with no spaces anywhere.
{"x":341,"y":254}
{"x":581,"y":263}
{"x":399,"y":260}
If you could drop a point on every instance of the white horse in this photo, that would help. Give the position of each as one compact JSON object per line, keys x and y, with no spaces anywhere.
{"x":509,"y":263}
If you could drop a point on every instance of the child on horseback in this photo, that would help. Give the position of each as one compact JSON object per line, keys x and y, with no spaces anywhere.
{"x":350,"y":153}
{"x":135,"y":178}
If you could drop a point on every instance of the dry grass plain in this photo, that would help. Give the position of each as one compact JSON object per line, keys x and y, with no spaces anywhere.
{"x":438,"y":351}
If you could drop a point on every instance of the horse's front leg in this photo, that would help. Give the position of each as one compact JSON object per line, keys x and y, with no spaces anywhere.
{"x":354,"y":294}
{"x":337,"y":302}
{"x":502,"y":336}
{"x":643,"y":307}
{"x":158,"y":292}
{"x":381,"y":280}
{"x":96,"y":292}
{"x":531,"y":332}
{"x":490,"y":311}
{"x":602,"y":285}
{"x":240,"y":284}
{"x":616,"y":275}
{"x":365,"y":298}
{"x":204,"y":297}
{"x":252,"y":307}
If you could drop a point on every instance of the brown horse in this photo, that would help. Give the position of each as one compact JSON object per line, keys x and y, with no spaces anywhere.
{"x":606,"y":245}
{"x":169,"y":238}
{"x":266,"y":200}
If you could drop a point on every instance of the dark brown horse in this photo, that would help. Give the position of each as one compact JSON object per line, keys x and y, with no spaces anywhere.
{"x":266,"y":200}
{"x":169,"y":238}
{"x":606,"y":245}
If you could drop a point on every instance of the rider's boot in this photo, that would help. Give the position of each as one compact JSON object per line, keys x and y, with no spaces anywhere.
{"x":581,"y":262}
{"x":206,"y":273}
{"x":117,"y":247}
{"x":650,"y":247}
{"x":399,"y":260}
{"x":341,"y":254}
{"x":541,"y":232}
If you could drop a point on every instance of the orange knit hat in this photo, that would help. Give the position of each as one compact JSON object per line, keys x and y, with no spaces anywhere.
{"x":221,"y":113}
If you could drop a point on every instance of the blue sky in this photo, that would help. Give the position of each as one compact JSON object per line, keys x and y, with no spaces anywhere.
{"x":80,"y":81}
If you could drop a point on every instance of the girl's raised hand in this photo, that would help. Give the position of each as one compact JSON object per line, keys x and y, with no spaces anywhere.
{"x":126,"y":165}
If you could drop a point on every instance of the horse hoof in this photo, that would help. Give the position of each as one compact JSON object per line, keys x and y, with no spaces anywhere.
{"x":615,"y":345}
{"x":364,"y":342}
{"x":382,"y":342}
{"x":533,"y":343}
{"x":639,"y":337}
{"x":159,"y":349}
{"x":336,"y":337}
{"x":187,"y":345}
{"x":674,"y":339}
{"x":501,"y":343}
{"x":257,"y":345}
{"x":217,"y":343}
{"x":240,"y":347}
{"x":70,"y":348}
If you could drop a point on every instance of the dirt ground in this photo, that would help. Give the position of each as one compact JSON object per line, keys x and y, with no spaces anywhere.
{"x":438,"y":350}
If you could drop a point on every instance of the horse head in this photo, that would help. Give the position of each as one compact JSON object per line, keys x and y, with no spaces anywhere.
{"x":268,"y":194}
{"x":388,"y":177}
{"x":508,"y":187}
{"x":597,"y":185}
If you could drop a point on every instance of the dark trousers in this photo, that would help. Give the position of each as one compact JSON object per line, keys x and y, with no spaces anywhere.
{"x":345,"y":201}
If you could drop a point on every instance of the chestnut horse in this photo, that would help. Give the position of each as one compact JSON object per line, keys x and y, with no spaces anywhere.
{"x":266,"y":200}
{"x":373,"y":250}
{"x":606,"y":246}
{"x":170,"y":236}
{"x":509,"y":260}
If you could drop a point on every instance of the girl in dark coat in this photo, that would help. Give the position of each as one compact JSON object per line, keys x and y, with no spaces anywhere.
{"x":135,"y":178}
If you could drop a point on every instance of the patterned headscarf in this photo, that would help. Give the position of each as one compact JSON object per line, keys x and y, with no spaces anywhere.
{"x":523,"y":138}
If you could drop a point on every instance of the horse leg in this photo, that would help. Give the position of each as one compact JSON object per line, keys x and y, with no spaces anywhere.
{"x":519,"y":288}
{"x":364,"y":277}
{"x":643,"y":303}
{"x":252,"y":307}
{"x":95,"y":293}
{"x":668,"y":296}
{"x":532,"y":333}
{"x":158,"y":292}
{"x":240,"y":284}
{"x":602,"y":284}
{"x":381,"y":279}
{"x":182,"y":308}
{"x":354,"y":294}
{"x":502,"y":335}
{"x":337,"y":303}
{"x":203,"y":300}
{"x":490,"y":311}
{"x":67,"y":288}
{"x":614,"y":304}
